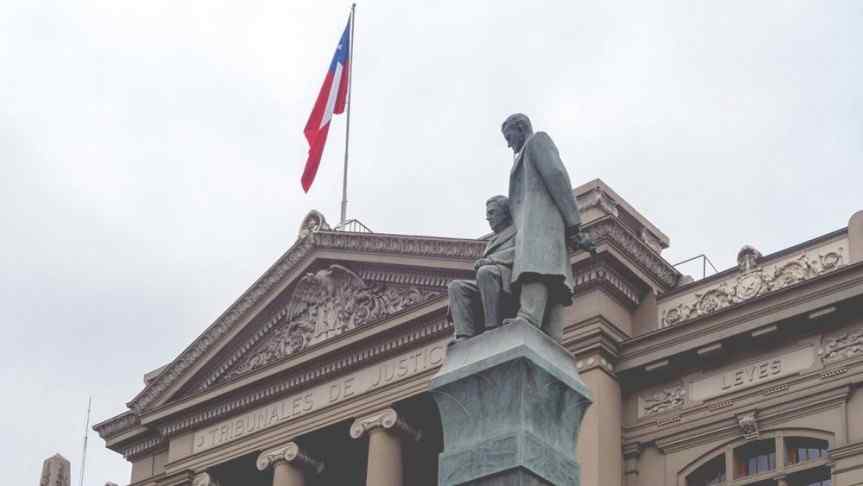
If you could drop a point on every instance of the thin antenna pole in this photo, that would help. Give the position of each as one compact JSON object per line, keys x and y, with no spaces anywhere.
{"x":348,"y":122}
{"x":86,"y":433}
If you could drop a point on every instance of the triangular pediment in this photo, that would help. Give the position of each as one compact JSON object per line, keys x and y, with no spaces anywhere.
{"x":324,"y":304}
{"x":327,"y":284}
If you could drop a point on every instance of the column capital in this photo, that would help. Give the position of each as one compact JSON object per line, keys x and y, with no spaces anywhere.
{"x":289,"y":453}
{"x":204,"y":479}
{"x":387,"y":419}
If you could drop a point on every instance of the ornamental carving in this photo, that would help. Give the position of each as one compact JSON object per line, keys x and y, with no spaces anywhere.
{"x":610,"y":230}
{"x":660,"y":401}
{"x":748,"y":424}
{"x":326,"y":304}
{"x":754,"y":282}
{"x":387,"y":418}
{"x":290,"y":453}
{"x":301,"y":249}
{"x":845,"y":345}
{"x":312,"y":223}
{"x":205,"y":479}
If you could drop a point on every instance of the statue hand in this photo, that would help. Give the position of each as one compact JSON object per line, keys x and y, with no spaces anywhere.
{"x":482,"y":262}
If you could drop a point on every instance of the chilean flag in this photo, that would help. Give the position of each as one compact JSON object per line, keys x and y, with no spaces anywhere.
{"x":331,"y":100}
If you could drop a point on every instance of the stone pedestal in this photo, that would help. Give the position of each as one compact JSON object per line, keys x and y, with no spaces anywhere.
{"x":511,"y":404}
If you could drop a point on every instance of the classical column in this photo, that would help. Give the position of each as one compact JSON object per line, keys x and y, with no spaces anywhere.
{"x":288,"y":463}
{"x":204,"y":479}
{"x":781,"y":481}
{"x":385,"y":430}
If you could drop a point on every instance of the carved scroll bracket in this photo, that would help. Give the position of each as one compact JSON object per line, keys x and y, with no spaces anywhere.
{"x":387,"y":419}
{"x":204,"y":479}
{"x":289,"y":453}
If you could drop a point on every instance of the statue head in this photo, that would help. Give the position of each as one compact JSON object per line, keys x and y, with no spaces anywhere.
{"x":497,"y":213}
{"x":516,"y":130}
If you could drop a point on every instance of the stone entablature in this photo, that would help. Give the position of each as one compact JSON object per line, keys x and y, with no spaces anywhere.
{"x":755,"y":277}
{"x":324,"y":395}
{"x":699,"y":388}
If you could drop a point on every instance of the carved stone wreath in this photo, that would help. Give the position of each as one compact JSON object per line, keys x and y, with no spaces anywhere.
{"x":753,"y":283}
{"x":325,"y":304}
{"x":660,"y":401}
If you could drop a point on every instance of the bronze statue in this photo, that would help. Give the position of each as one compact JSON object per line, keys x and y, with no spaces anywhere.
{"x":547,"y":222}
{"x":481,"y":304}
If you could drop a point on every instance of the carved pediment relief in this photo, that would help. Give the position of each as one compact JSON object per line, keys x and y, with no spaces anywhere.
{"x":324,"y":304}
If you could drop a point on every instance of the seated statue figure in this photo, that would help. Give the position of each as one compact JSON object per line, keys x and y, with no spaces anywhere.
{"x":481,"y":304}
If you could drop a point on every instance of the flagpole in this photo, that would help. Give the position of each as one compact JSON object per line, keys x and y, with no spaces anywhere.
{"x":343,"y":218}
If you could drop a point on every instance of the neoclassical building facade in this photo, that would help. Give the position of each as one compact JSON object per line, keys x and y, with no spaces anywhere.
{"x":318,"y":375}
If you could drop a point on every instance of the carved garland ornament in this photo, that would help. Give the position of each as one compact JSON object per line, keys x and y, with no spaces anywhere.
{"x":753,"y":283}
{"x":325,"y":304}
{"x":663,"y":400}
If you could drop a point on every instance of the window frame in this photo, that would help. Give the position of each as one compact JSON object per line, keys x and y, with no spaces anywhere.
{"x":783,"y":467}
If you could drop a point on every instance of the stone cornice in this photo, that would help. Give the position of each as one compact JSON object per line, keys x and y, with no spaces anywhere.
{"x":115,"y":426}
{"x":595,"y":335}
{"x":139,"y":448}
{"x":609,"y":230}
{"x":808,"y":296}
{"x":371,"y":243}
{"x":755,"y":277}
{"x":599,"y":273}
{"x":850,"y":450}
{"x":434,"y":326}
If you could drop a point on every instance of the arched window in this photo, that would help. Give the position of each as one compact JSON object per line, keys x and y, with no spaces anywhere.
{"x":709,"y":474}
{"x":800,"y":456}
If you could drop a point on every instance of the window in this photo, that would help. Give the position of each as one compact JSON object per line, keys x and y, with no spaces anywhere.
{"x":709,"y":474}
{"x":801,"y":449}
{"x":755,"y":458}
{"x":803,"y":461}
{"x":812,"y":477}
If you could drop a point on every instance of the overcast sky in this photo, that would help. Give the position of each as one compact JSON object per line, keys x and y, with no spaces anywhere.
{"x":151,"y":154}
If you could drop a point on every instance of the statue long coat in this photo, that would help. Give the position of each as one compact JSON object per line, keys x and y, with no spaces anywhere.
{"x":543,"y":206}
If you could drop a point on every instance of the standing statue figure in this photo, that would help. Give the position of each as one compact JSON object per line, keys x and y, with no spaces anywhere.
{"x":547,"y":222}
{"x":481,"y":304}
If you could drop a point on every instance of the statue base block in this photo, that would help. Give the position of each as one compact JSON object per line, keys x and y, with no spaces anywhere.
{"x":511,"y":404}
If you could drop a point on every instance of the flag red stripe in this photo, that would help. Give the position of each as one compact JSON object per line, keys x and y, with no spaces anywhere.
{"x":313,"y":125}
{"x":316,"y":149}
